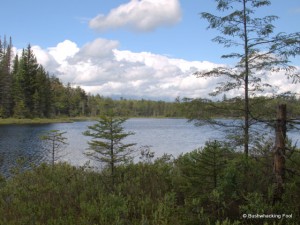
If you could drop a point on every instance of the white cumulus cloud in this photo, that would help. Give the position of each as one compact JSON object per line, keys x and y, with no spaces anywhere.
{"x":139,"y":15}
{"x":63,"y":50}
{"x":101,"y":68}
{"x":97,"y":50}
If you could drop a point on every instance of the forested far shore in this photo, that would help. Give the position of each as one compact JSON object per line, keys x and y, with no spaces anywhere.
{"x":28,"y":91}
{"x":247,"y":172}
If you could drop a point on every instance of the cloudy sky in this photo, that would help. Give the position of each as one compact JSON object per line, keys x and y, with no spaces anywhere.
{"x":131,"y":48}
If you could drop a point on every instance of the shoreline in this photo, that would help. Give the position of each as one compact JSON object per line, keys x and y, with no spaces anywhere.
{"x":16,"y":121}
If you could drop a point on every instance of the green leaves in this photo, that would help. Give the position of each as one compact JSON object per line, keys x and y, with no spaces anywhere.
{"x":54,"y":143}
{"x":212,"y":185}
{"x":260,"y":3}
{"x":107,"y":144}
{"x":259,"y":53}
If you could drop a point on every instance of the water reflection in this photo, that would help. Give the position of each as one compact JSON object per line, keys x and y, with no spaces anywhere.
{"x":20,"y":142}
{"x":172,"y":136}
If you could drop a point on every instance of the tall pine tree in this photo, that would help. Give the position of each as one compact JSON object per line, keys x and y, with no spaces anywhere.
{"x":5,"y":78}
{"x":258,"y":52}
{"x":32,"y":87}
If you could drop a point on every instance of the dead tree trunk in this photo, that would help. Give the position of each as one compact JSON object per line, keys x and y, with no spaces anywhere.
{"x":279,"y":153}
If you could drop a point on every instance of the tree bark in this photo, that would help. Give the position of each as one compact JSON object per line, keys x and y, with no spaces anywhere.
{"x":246,"y":82}
{"x":279,"y":153}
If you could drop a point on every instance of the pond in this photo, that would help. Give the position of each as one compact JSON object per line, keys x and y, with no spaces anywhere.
{"x":171,"y":136}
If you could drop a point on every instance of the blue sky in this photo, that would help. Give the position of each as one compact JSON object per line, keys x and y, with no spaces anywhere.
{"x":150,"y":52}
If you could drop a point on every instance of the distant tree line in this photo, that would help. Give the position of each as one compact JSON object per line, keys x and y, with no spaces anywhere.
{"x":262,"y":107}
{"x":27,"y":90}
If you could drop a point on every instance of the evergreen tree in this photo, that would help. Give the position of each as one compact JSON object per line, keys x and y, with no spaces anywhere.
{"x":19,"y":108}
{"x":59,"y":97}
{"x":107,"y":144}
{"x":55,"y":142}
{"x":5,"y":78}
{"x":77,"y":101}
{"x":204,"y":167}
{"x":31,"y":87}
{"x":259,"y":52}
{"x":28,"y":71}
{"x":42,"y":98}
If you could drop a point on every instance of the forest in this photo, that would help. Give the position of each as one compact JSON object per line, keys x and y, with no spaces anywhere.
{"x":28,"y":91}
{"x":211,"y":185}
{"x":215,"y":184}
{"x":249,"y":178}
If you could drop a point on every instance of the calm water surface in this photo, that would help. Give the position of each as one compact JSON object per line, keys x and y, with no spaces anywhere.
{"x":172,"y":136}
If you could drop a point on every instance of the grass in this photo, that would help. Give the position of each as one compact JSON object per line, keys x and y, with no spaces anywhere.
{"x":8,"y":121}
{"x":39,"y":120}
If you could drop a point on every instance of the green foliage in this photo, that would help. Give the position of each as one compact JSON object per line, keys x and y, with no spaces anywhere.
{"x":203,"y":112}
{"x":67,"y":195}
{"x":20,"y":110}
{"x":211,"y":185}
{"x":28,"y":91}
{"x":258,"y":52}
{"x":154,"y":191}
{"x":204,"y":167}
{"x":107,"y":144}
{"x":201,"y":175}
{"x":55,"y":142}
{"x":5,"y":78}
